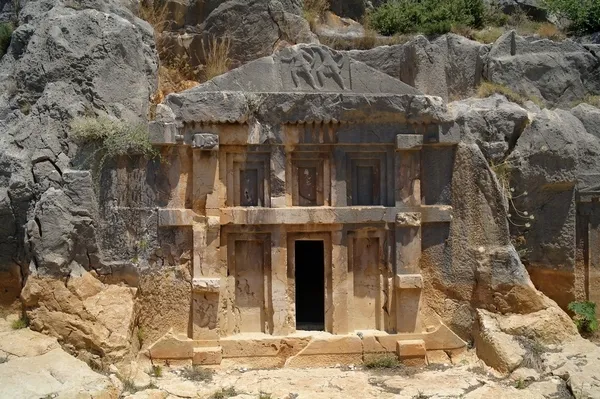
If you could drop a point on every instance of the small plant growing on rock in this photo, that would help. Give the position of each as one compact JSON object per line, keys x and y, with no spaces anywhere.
{"x":20,"y":323}
{"x":3,"y":359}
{"x":520,"y":384}
{"x":108,"y":139}
{"x":585,"y":316}
{"x":156,"y":371}
{"x":224,"y":393}
{"x":197,"y":373}
{"x":382,"y":362}
{"x":6,"y":30}
{"x":265,"y":395}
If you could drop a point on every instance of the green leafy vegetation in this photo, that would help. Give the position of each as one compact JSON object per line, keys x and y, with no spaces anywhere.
{"x":6,"y":30}
{"x":21,"y":323}
{"x":109,"y":139}
{"x":585,"y":316}
{"x":265,"y":395}
{"x":583,"y":14}
{"x":382,"y":362}
{"x":156,"y":371}
{"x":426,"y":16}
{"x":197,"y":373}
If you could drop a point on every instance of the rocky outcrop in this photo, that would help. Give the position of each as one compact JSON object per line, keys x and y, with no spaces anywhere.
{"x":556,"y":72}
{"x":47,"y":370}
{"x":63,"y":62}
{"x":451,"y":66}
{"x":254,"y":29}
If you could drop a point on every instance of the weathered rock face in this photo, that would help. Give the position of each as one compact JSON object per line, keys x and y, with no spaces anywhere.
{"x":556,"y":72}
{"x":254,"y":28}
{"x":451,"y":66}
{"x":64,"y":62}
{"x":549,"y":163}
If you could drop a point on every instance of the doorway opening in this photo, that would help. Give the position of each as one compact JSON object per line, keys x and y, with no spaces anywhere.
{"x":310,"y":285}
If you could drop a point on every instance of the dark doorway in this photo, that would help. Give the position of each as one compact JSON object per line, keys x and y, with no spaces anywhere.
{"x":310,"y":285}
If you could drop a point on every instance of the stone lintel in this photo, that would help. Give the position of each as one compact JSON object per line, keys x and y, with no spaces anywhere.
{"x":590,"y":196}
{"x":333,"y":215}
{"x":206,"y":284}
{"x":409,"y":142}
{"x":408,"y":281}
{"x":177,"y":217}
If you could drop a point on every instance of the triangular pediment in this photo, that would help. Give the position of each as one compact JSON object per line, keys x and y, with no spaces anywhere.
{"x":307,"y":68}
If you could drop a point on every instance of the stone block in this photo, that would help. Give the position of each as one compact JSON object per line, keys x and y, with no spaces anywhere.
{"x":410,"y":219}
{"x":406,"y":142}
{"x":206,"y":284}
{"x":412,"y":352}
{"x":207,"y":356}
{"x":175,"y":217}
{"x":171,"y":346}
{"x":206,"y":141}
{"x":162,"y":133}
{"x":408,"y":281}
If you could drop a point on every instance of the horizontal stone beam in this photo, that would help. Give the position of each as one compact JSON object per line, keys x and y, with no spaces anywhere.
{"x":326,"y":215}
{"x":206,"y":284}
{"x":409,"y":142}
{"x":408,"y":281}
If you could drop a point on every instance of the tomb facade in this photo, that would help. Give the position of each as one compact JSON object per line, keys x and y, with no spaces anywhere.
{"x":308,"y":181}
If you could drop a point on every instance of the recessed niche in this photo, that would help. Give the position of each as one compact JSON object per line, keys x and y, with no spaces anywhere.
{"x":366,"y":175}
{"x":308,"y":180}
{"x":248,"y":185}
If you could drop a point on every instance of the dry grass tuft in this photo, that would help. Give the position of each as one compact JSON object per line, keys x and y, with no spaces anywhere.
{"x":550,"y":31}
{"x":175,"y":76}
{"x":157,"y":16}
{"x":313,"y":11}
{"x":488,"y":35}
{"x":216,"y":54}
{"x":487,"y":89}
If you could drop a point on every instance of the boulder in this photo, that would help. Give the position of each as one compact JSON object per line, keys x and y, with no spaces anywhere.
{"x":493,"y":123}
{"x":253,"y":28}
{"x":449,"y":66}
{"x":48,"y":370}
{"x":354,"y":9}
{"x":589,"y":116}
{"x":82,"y":312}
{"x":496,"y":348}
{"x":533,"y":8}
{"x":556,"y":72}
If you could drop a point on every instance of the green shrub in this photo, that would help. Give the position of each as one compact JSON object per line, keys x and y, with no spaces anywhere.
{"x":224,"y":393}
{"x":583,"y":14}
{"x":585,"y":316}
{"x":21,"y":323}
{"x":426,"y":16}
{"x":108,"y":139}
{"x":382,"y":362}
{"x":6,"y":30}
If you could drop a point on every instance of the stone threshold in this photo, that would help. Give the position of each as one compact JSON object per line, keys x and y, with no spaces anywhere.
{"x":305,"y":348}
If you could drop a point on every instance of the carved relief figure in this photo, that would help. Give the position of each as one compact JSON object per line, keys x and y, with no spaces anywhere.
{"x":301,"y":63}
{"x":308,"y":62}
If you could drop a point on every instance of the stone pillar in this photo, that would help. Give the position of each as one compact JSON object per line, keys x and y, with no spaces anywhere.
{"x":278,"y":161}
{"x":207,"y":273}
{"x":339,"y":283}
{"x":408,"y":281}
{"x":282,"y":318}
